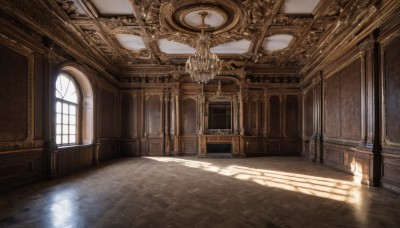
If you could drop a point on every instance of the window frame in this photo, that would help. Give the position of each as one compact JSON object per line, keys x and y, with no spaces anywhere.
{"x":78,"y":110}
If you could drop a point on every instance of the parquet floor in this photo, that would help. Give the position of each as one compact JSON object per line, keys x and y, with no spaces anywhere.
{"x":192,"y":192}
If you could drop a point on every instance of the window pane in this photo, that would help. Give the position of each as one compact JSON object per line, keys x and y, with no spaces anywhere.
{"x":58,"y":118}
{"x":74,"y":98}
{"x":65,"y":139}
{"x":58,"y":94}
{"x":66,"y":113}
{"x":72,"y":109}
{"x":65,"y":129}
{"x":71,"y":94}
{"x":72,"y":129}
{"x":65,"y":119}
{"x":58,"y":107}
{"x":58,"y":129}
{"x":58,"y":139}
{"x":65,"y":108}
{"x":72,"y":138}
{"x":72,"y":119}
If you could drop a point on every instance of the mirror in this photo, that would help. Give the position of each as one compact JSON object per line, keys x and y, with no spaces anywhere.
{"x":219,"y":115}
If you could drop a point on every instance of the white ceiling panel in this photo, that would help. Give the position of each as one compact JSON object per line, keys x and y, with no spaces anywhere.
{"x":299,"y":6}
{"x":172,"y":47}
{"x":114,"y":7}
{"x":234,"y":47}
{"x":131,"y":42}
{"x":277,"y":42}
{"x":214,"y":19}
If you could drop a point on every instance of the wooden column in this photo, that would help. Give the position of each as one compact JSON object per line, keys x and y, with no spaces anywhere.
{"x":167,"y":126}
{"x":373,"y":116}
{"x":177,"y":123}
{"x":241,"y":127}
{"x":50,"y":145}
{"x":320,"y":123}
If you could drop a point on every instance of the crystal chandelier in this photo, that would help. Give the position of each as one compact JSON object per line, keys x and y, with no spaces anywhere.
{"x":203,"y":65}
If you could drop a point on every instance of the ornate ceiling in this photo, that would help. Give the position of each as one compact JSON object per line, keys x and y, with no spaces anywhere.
{"x":125,"y":36}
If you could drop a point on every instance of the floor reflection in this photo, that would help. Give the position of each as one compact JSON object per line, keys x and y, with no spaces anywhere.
{"x":63,"y":209}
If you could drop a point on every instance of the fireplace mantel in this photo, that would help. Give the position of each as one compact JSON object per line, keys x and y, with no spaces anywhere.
{"x":234,"y":140}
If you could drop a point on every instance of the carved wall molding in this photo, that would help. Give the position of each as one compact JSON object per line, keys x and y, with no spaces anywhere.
{"x":29,"y":141}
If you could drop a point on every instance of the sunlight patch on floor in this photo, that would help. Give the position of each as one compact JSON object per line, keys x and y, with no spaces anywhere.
{"x":340,"y":190}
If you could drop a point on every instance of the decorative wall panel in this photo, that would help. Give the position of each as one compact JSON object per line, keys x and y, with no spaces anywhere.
{"x":189,"y":145}
{"x":308,"y":113}
{"x":128,"y":116}
{"x":13,"y":95}
{"x":108,"y":150}
{"x":21,"y":167}
{"x":392,"y":92}
{"x":332,"y":107}
{"x":39,"y":94}
{"x":153,"y":115}
{"x":350,"y":101}
{"x":74,"y":159}
{"x":189,"y":117}
{"x":108,"y":114}
{"x":292,"y":114}
{"x":275,"y":117}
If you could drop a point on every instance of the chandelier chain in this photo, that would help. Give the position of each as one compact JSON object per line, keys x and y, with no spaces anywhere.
{"x":203,"y":65}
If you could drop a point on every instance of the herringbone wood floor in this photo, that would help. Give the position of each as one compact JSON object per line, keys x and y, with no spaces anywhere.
{"x":192,"y":192}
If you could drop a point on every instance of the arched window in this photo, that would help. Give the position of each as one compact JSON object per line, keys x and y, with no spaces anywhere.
{"x":67,"y":110}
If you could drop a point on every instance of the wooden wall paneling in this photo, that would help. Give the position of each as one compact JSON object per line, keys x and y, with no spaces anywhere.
{"x":275,"y":117}
{"x":308,"y":122}
{"x":332,"y":107}
{"x":108,"y":124}
{"x":252,"y":146}
{"x":129,"y":124}
{"x":390,"y":109}
{"x":292,"y":114}
{"x":350,"y":101}
{"x":349,"y":159}
{"x":17,"y":124}
{"x":189,"y":116}
{"x":177,"y":121}
{"x":74,"y":159}
{"x":392,"y":92}
{"x":308,"y":101}
{"x":189,"y":145}
{"x":320,"y":125}
{"x":109,"y":149}
{"x":127,"y":112}
{"x":167,"y":122}
{"x":391,"y":170}
{"x":21,"y":167}
{"x":370,"y":108}
{"x":245,"y":111}
{"x":39,"y":97}
{"x":154,"y":132}
{"x":254,"y":115}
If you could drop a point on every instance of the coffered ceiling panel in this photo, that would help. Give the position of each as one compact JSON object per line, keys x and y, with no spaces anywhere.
{"x":172,"y":47}
{"x":277,"y":42}
{"x":131,"y":42}
{"x":233,"y":47}
{"x":113,"y":7}
{"x":299,"y":6}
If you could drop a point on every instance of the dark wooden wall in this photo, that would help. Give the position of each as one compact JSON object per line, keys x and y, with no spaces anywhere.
{"x":351,"y":110}
{"x":272,"y":126}
{"x":390,"y":78}
{"x":27,"y":150}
